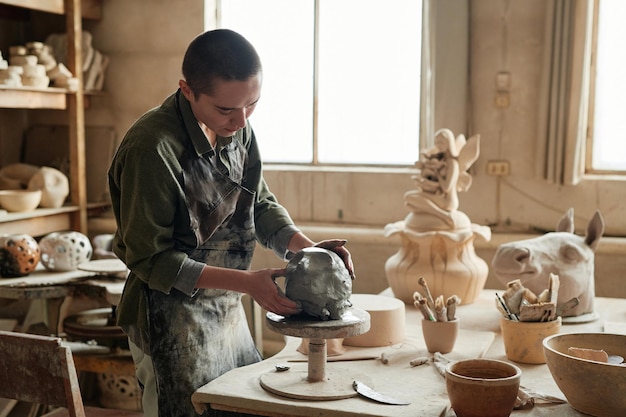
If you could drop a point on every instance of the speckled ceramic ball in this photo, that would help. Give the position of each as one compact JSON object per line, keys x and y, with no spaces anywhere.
{"x":64,"y":251}
{"x":19,"y":255}
{"x":319,"y":282}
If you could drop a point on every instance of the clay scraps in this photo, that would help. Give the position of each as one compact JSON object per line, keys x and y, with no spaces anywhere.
{"x":598,"y":355}
{"x":435,"y":309}
{"x":519,"y":303}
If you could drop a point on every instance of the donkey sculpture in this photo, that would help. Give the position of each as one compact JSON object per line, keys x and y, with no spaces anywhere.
{"x":563,"y":253}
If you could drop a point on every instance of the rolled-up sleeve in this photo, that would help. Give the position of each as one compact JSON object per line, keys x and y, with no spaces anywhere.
{"x":146,"y":193}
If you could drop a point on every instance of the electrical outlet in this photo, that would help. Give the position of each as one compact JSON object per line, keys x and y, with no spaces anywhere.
{"x":498,"y":168}
{"x":503,"y":99}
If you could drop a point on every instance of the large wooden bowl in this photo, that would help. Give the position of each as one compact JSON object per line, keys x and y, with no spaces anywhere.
{"x":591,"y":387}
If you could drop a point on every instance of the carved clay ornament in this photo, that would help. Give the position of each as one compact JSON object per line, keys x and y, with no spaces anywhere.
{"x":53,"y":184}
{"x":437,"y":238}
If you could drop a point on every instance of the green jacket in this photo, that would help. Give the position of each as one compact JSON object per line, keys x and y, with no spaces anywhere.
{"x":148,"y":198}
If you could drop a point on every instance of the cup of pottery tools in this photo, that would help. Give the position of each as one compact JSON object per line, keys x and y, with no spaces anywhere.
{"x":523,"y":340}
{"x":527,"y":319}
{"x":440,"y":325}
{"x":440,"y":336}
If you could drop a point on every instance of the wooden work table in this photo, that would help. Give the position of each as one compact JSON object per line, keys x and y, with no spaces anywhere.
{"x":50,"y":292}
{"x":240,"y":391}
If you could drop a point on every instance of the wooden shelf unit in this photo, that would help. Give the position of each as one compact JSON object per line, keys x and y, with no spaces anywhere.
{"x":89,"y":9}
{"x":73,"y":217}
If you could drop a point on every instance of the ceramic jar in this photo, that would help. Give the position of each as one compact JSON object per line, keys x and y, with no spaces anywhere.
{"x":19,"y":255}
{"x":64,"y":251}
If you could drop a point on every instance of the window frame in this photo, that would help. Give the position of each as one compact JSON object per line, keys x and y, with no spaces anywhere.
{"x":426,"y":114}
{"x":590,"y":94}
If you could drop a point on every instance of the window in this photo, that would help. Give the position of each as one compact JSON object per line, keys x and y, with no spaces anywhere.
{"x":341,"y":78}
{"x":607,"y":146}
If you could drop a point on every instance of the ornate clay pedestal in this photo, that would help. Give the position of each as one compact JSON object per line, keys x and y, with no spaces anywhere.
{"x":316,"y":383}
{"x":437,"y":238}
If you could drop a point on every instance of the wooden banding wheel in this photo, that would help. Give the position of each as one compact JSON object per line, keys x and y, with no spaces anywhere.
{"x":317,"y":382}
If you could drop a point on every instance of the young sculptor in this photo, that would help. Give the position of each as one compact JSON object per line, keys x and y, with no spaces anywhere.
{"x":190,"y":203}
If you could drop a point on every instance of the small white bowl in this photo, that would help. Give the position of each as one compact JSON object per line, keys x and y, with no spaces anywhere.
{"x":20,"y":200}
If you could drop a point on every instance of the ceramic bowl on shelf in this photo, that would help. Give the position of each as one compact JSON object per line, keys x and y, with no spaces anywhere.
{"x":591,"y":387}
{"x":20,"y":200}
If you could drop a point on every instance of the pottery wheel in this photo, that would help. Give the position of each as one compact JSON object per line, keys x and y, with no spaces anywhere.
{"x":317,"y":382}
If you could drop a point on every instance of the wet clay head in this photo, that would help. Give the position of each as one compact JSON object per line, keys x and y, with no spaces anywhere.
{"x":319,"y":282}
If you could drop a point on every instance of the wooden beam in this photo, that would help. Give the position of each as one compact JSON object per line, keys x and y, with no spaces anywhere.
{"x":91,"y":9}
{"x":76,"y":116}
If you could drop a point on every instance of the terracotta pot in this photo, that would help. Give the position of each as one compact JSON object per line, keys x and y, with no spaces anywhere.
{"x":440,"y":336}
{"x":523,"y":339}
{"x":482,"y":387}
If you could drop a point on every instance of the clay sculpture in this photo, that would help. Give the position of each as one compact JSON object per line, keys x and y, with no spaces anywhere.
{"x":64,"y":251}
{"x":19,"y":255}
{"x":319,"y":282}
{"x":437,"y":239}
{"x":562,"y":253}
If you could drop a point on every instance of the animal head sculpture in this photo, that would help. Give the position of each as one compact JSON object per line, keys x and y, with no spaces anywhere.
{"x":563,"y":253}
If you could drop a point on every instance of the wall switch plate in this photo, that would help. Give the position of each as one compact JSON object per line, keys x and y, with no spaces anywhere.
{"x":498,"y":168}
{"x":503,"y":81}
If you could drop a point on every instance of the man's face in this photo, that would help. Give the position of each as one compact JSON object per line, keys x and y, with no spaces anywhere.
{"x":228,"y":108}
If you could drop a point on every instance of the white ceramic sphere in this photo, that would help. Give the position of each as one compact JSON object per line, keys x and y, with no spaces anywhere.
{"x":64,"y":251}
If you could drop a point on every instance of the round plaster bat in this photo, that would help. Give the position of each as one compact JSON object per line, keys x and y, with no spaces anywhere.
{"x":319,"y":282}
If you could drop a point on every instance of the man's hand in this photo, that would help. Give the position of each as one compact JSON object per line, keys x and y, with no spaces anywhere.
{"x":338,"y":246}
{"x":264,"y":290}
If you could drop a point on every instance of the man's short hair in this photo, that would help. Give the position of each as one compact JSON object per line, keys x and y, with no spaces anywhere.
{"x":219,"y":54}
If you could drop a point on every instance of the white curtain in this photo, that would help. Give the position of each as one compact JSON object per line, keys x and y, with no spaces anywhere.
{"x":565,"y":85}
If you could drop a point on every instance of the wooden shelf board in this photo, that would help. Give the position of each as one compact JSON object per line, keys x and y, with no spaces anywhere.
{"x":38,"y":222}
{"x":32,"y":98}
{"x":91,"y":9}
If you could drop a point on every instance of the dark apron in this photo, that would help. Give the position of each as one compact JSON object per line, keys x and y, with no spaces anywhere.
{"x":193,"y":340}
